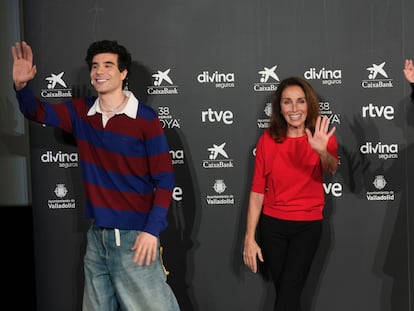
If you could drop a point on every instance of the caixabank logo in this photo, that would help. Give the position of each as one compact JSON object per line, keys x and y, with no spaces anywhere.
{"x":56,"y":87}
{"x":268,"y":80}
{"x":218,"y":157}
{"x":162,"y":84}
{"x":377,"y":77}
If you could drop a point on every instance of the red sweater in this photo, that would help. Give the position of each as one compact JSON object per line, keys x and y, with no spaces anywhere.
{"x":290,"y":175}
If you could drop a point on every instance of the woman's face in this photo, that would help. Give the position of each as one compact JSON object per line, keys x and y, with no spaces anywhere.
{"x":294,"y":109}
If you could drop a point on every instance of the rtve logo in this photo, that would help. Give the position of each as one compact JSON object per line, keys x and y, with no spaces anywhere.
{"x":177,"y":194}
{"x":335,"y":189}
{"x":212,"y":116}
{"x":372,"y":111}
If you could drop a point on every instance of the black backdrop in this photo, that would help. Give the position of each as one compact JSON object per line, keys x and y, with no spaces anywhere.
{"x":214,"y":52}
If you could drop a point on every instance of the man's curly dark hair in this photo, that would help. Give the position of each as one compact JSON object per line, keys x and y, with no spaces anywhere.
{"x":108,"y":46}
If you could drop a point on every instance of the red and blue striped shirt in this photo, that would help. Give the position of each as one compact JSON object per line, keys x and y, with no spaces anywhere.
{"x":127,"y":171}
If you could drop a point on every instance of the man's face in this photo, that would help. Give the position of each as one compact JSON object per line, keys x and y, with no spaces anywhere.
{"x":105,"y":75}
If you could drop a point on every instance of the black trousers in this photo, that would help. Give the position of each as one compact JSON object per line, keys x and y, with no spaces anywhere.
{"x":288,"y":249}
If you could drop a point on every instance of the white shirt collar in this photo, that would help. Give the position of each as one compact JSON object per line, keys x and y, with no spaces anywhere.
{"x":130,"y":109}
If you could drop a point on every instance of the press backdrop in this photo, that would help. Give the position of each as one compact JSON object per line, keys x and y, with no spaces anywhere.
{"x":209,"y":68}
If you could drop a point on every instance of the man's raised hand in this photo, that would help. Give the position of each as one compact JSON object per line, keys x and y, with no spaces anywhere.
{"x":23,"y":68}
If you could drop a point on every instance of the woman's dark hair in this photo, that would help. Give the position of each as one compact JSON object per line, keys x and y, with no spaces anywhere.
{"x":278,"y":125}
{"x":108,"y":46}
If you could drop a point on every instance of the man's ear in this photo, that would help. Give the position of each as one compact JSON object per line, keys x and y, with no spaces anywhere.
{"x":124,"y":74}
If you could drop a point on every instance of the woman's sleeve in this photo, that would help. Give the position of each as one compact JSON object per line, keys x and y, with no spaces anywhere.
{"x":333,"y":146}
{"x":259,"y":174}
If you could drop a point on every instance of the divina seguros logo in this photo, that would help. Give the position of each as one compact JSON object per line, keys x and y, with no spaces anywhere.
{"x":220,"y":80}
{"x":177,"y":156}
{"x":326,"y":76}
{"x":384,"y":151}
{"x":63,"y":159}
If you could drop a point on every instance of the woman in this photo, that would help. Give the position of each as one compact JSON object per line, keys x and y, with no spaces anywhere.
{"x":287,"y":190}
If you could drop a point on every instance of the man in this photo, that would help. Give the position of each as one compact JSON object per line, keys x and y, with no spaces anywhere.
{"x":409,"y":74}
{"x":127,"y":176}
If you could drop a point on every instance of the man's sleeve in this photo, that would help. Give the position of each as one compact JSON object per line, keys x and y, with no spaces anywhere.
{"x":412,"y":92}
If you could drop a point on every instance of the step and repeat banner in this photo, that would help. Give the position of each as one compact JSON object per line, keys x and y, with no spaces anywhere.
{"x":209,"y":69}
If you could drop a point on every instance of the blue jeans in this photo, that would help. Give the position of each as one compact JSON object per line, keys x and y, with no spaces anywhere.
{"x":113,"y":282}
